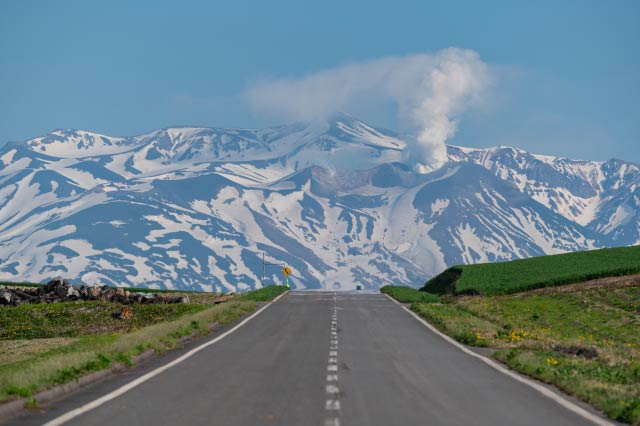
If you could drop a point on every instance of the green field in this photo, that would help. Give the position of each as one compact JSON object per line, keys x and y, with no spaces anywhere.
{"x":72,"y":319}
{"x":408,"y":295}
{"x":535,"y":272}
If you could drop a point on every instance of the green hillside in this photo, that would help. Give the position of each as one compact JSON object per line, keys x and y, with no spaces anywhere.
{"x":536,"y":272}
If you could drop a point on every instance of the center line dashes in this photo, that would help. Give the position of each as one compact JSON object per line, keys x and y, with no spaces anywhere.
{"x":332,"y":403}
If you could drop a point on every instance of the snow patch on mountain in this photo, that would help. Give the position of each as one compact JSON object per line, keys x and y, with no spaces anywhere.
{"x":195,"y":208}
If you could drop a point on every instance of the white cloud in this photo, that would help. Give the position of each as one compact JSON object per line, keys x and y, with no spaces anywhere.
{"x":430,"y":90}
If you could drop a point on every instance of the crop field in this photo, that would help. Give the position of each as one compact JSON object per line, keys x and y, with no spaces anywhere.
{"x":545,"y":271}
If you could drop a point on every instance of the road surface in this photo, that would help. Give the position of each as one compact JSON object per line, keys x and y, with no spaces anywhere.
{"x":319,"y":358}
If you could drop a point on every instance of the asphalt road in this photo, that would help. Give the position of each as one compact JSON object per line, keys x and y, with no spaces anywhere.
{"x":320,"y":359}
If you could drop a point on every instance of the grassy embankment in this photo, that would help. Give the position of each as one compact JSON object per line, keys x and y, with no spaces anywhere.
{"x":536,"y":272}
{"x":42,"y":345}
{"x":408,"y":295}
{"x":585,"y":341}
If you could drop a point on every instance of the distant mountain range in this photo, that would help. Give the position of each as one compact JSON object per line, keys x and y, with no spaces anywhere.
{"x":194,"y":208}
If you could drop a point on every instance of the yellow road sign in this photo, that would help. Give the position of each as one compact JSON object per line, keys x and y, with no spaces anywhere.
{"x":286,"y":271}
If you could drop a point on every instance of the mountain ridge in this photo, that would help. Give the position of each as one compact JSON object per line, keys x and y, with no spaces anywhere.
{"x":337,"y":200}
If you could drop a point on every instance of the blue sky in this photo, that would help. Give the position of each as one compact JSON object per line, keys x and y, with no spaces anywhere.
{"x":567,"y":73}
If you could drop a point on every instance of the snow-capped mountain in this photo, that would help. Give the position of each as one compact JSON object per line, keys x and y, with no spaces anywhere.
{"x":195,"y":208}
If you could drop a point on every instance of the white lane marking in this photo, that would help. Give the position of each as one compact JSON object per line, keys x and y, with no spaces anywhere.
{"x":116,"y":393}
{"x":332,"y":404}
{"x":332,"y":389}
{"x":532,"y":384}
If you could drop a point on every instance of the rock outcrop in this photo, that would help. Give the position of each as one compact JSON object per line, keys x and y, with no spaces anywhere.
{"x":59,"y":290}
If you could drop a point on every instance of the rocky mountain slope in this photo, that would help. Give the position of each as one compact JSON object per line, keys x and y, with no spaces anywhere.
{"x":194,"y":208}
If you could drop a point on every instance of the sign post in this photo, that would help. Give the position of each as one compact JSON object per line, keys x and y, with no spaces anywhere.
{"x":286,"y":271}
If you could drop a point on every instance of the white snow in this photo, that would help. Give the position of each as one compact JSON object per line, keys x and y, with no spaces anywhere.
{"x":621,"y":216}
{"x":438,"y":207}
{"x":77,"y":144}
{"x":393,"y":242}
{"x":7,"y":158}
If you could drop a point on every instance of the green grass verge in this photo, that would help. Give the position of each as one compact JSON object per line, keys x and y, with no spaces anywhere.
{"x":408,"y":295}
{"x":586,"y":343}
{"x":263,"y":294}
{"x":536,"y":272}
{"x":96,"y":352}
{"x":71,"y":319}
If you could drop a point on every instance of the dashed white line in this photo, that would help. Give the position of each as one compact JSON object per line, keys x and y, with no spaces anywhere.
{"x":332,"y":404}
{"x":333,"y":389}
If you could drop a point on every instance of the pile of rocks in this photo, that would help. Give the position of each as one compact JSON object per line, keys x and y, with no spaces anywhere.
{"x":59,"y":290}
